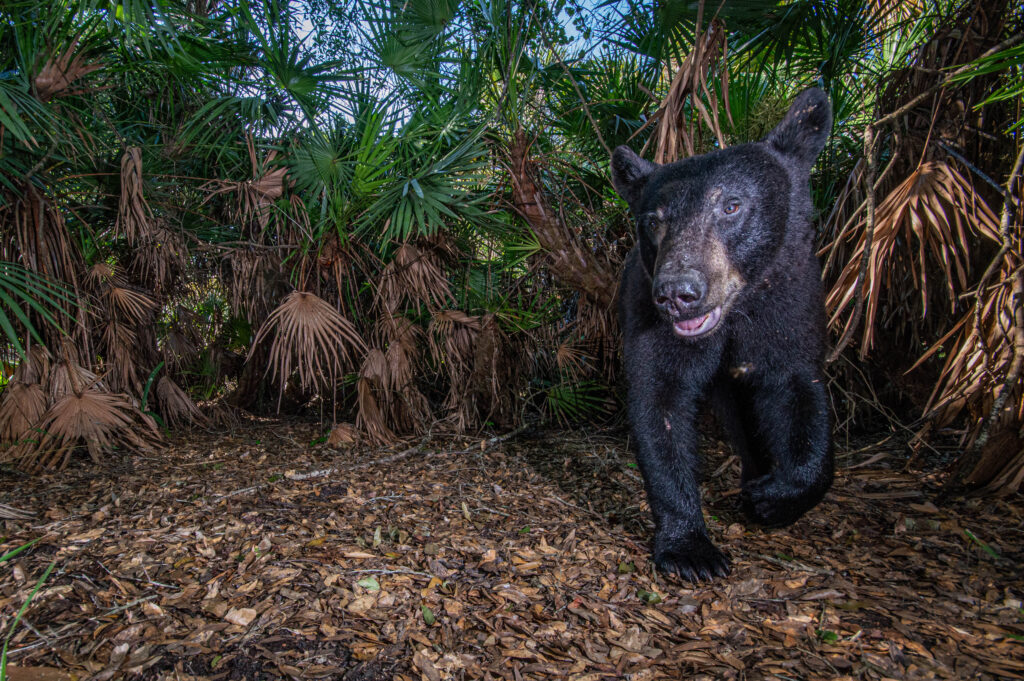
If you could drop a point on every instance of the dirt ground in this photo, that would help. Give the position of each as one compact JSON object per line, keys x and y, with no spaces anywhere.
{"x":262,"y":554}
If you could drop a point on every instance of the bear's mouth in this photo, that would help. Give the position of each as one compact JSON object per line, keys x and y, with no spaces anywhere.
{"x":698,"y":326}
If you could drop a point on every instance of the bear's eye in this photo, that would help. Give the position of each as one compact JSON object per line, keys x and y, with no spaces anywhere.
{"x":731,"y":206}
{"x":650,"y":224}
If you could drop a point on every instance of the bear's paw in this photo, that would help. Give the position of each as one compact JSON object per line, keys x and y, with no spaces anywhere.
{"x":693,"y":558}
{"x":772,"y":501}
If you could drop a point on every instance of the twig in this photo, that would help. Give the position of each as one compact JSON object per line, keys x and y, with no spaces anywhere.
{"x":119,"y":608}
{"x":973,"y":168}
{"x":11,"y":513}
{"x":390,"y":572}
{"x":948,"y":80}
{"x":244,"y":490}
{"x":794,"y":564}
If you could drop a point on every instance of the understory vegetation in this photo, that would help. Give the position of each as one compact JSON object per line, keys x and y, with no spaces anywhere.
{"x":397,"y":215}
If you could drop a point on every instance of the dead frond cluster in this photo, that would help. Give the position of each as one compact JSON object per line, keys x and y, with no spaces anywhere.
{"x":159,"y":258}
{"x":59,"y":71}
{"x":176,"y":408}
{"x":370,"y":386}
{"x":677,"y":134}
{"x":909,"y":230}
{"x":412,"y":277}
{"x":254,"y":198}
{"x":134,"y":217}
{"x":925,"y":225}
{"x":310,"y":337}
{"x":51,"y":408}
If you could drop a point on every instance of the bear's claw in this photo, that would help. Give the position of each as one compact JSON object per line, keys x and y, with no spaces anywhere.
{"x":694,"y":559}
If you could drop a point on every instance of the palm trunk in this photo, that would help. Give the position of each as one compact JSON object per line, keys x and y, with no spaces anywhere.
{"x":570,"y":259}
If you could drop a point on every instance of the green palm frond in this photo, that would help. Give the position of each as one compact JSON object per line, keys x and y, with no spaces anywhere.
{"x":23,"y":292}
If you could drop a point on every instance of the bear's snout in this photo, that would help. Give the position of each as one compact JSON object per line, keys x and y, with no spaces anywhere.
{"x":679,"y":296}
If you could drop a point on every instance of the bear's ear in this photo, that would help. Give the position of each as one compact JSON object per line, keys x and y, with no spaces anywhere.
{"x":629,"y":174}
{"x":803,"y":132}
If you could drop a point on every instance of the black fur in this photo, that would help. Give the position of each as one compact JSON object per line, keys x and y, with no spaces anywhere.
{"x":728,"y":231}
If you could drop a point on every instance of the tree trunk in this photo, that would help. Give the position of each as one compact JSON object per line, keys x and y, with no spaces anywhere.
{"x":569,"y":257}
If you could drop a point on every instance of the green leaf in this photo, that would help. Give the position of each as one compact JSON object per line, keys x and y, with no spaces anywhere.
{"x":827,"y":636}
{"x":649,"y":597}
{"x":17,"y":618}
{"x":428,"y":615}
{"x":370,"y":584}
{"x":15,"y":551}
{"x":985,"y":547}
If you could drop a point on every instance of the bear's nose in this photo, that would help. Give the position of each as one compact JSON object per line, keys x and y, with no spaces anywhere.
{"x":682,"y":293}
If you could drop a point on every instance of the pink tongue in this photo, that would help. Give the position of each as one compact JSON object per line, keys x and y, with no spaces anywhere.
{"x":699,"y":325}
{"x":692,"y":324}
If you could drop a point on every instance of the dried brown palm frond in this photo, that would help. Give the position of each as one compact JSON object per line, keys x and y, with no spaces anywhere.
{"x":452,"y":339}
{"x":342,"y":434}
{"x":98,"y":421}
{"x":222,"y":415}
{"x":35,"y":367}
{"x":406,"y":408}
{"x":22,"y":405}
{"x":255,"y":197}
{"x":310,"y":337}
{"x":158,"y":259}
{"x":492,"y":382}
{"x":402,"y":331}
{"x":41,"y":239}
{"x":690,"y":100}
{"x":134,"y":217}
{"x":253,"y":279}
{"x":597,"y":334}
{"x":444,"y":246}
{"x":68,"y":377}
{"x":976,"y":357}
{"x":179,"y":350}
{"x":410,"y":410}
{"x":371,"y":384}
{"x":451,"y":335}
{"x":120,"y":357}
{"x":176,"y":407}
{"x":413,"y":276}
{"x":571,"y":360}
{"x":101,"y":274}
{"x":935,"y":209}
{"x":402,"y":354}
{"x":60,"y":71}
{"x":349,"y":263}
{"x":130,"y":306}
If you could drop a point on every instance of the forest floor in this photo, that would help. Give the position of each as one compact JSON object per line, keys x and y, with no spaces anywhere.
{"x":260,"y":554}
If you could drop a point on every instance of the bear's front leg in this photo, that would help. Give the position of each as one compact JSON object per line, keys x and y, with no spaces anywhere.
{"x":666,"y":443}
{"x":792,"y":420}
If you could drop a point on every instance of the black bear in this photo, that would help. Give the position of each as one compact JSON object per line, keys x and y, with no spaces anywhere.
{"x":721,"y":303}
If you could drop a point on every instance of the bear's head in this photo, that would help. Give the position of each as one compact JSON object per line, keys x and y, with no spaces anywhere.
{"x":708,"y":225}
